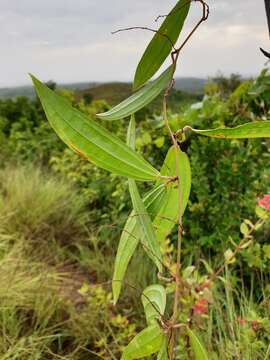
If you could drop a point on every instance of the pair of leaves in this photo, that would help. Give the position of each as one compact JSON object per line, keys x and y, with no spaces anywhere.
{"x":140,"y":99}
{"x":154,"y":56}
{"x":256,"y":129}
{"x":138,"y":227}
{"x":146,"y":229}
{"x":91,"y":140}
{"x":152,"y":339}
{"x":162,"y":205}
{"x":130,"y":238}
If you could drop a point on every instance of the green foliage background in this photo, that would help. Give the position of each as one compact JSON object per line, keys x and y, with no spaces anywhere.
{"x":228,"y":176}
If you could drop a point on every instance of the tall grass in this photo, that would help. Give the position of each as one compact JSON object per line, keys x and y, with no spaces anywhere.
{"x":238,"y":326}
{"x":39,"y":209}
{"x":46,"y":255}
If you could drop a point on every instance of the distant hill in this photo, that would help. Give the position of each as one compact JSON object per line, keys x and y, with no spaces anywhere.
{"x":112,"y":93}
{"x":191,"y":85}
{"x":28,"y":90}
{"x":186,"y":84}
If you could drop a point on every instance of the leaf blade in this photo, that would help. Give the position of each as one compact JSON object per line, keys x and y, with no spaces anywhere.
{"x":163,"y":352}
{"x":139,"y":99}
{"x":149,"y":240}
{"x":196,"y":346}
{"x":91,"y":140}
{"x":257,"y":129}
{"x":131,"y":233}
{"x":160,"y":46}
{"x":148,"y":237}
{"x":146,"y":343}
{"x":154,"y":302}
{"x":168,"y":214}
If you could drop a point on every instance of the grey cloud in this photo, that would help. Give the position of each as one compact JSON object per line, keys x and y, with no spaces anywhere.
{"x":70,"y":40}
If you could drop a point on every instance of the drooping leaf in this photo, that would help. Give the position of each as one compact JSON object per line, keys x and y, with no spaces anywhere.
{"x":149,"y":240}
{"x":139,"y":99}
{"x":147,"y":233}
{"x":90,"y":140}
{"x":131,"y":133}
{"x":146,"y":343}
{"x":163,"y":352}
{"x":197,"y":347}
{"x":161,"y":45}
{"x":131,"y":236}
{"x":154,"y":302}
{"x":256,"y":129}
{"x":162,"y":206}
{"x":167,"y":217}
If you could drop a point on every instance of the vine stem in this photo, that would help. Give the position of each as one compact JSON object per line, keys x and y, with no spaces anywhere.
{"x":179,"y":221}
{"x":175,"y":55}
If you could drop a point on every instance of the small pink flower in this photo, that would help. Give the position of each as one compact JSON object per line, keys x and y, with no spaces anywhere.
{"x":200,"y":307}
{"x":265,"y":202}
{"x":254,"y":324}
{"x":241,"y":321}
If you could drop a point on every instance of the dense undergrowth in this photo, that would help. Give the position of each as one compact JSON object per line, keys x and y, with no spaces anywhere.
{"x":61,"y":218}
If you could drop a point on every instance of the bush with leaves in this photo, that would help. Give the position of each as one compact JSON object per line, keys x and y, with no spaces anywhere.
{"x":153,"y":217}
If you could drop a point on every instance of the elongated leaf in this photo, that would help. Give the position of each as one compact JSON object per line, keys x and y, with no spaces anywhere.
{"x":90,"y":140}
{"x":168,"y":214}
{"x":160,"y":46}
{"x":258,"y":129}
{"x":131,"y":234}
{"x":130,"y":238}
{"x":149,"y":240}
{"x":162,"y":206}
{"x":154,"y":302}
{"x":146,"y":343}
{"x":131,"y":133}
{"x":147,"y":233}
{"x":196,"y":346}
{"x":163,"y":352}
{"x":140,"y":99}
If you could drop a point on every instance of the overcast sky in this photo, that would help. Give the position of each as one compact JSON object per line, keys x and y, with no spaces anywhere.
{"x":70,"y":40}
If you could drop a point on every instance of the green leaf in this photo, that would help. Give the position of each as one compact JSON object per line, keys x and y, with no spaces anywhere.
{"x":168,"y":214}
{"x":196,"y":346}
{"x":256,"y":129}
{"x":148,"y":237}
{"x":149,"y":240}
{"x":244,"y":229}
{"x":154,"y":302}
{"x":140,"y":99}
{"x":131,"y":234}
{"x":163,"y":352}
{"x":131,"y":133}
{"x":261,"y":213}
{"x":161,"y":46}
{"x":146,"y":343}
{"x":130,"y":237}
{"x":90,"y":140}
